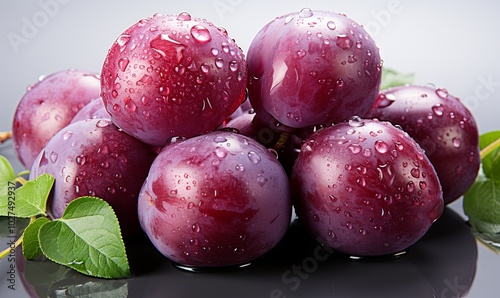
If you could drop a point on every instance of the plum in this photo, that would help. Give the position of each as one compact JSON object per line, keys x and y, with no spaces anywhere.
{"x":94,"y":158}
{"x":365,"y":188}
{"x":443,"y":127}
{"x":216,"y":200}
{"x":49,"y":105}
{"x":172,"y":76}
{"x":313,"y":67}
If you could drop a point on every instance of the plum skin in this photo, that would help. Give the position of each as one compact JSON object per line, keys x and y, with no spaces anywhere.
{"x":48,"y":106}
{"x":313,"y":68}
{"x":365,"y":190}
{"x":442,"y":126}
{"x":94,"y":158}
{"x":220,"y":199}
{"x":159,"y":76}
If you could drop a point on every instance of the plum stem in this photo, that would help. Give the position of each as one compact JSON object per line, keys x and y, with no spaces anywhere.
{"x":5,"y":135}
{"x":284,"y":136}
{"x":7,"y":251}
{"x":488,"y":149}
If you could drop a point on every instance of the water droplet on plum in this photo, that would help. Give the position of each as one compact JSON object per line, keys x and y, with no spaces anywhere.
{"x":184,"y":16}
{"x":344,"y":42}
{"x":381,"y":146}
{"x":201,"y":34}
{"x":288,"y":19}
{"x":331,"y":25}
{"x":254,"y":157}
{"x":356,"y":121}
{"x":123,"y":63}
{"x":67,"y":135}
{"x":305,"y":13}
{"x":438,"y":110}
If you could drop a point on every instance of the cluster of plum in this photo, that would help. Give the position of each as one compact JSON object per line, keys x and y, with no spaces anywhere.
{"x":166,"y":135}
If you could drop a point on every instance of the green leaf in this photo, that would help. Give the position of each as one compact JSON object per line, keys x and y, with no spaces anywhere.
{"x":482,"y":205}
{"x":7,"y":184}
{"x":392,"y":78}
{"x":6,"y":172}
{"x":31,"y":245}
{"x":492,"y":159}
{"x":30,"y":199}
{"x":86,"y":238}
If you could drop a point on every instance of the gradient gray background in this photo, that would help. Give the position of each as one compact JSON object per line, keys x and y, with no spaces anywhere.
{"x":451,"y":44}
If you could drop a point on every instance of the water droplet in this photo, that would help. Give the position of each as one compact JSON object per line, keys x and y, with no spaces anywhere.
{"x":438,"y":110}
{"x":385,"y":100}
{"x":410,"y":186}
{"x":315,"y":218}
{"x":415,"y":173}
{"x":301,"y":53}
{"x":351,"y":59}
{"x":220,"y":152}
{"x":261,"y":180}
{"x":53,"y":156}
{"x":422,"y":184}
{"x":219,"y":63}
{"x":195,"y":227}
{"x":367,"y":152}
{"x":355,"y":148}
{"x":344,"y":42}
{"x":179,"y":69}
{"x":356,"y":121}
{"x":102,"y":123}
{"x":220,"y":139}
{"x":130,"y":105}
{"x":184,"y":16}
{"x":381,"y":146}
{"x":123,"y":63}
{"x":288,"y":19}
{"x":456,"y":142}
{"x":361,"y":181}
{"x":306,"y":13}
{"x":331,"y":25}
{"x":254,"y":157}
{"x":205,"y":68}
{"x":80,"y":159}
{"x":443,"y":93}
{"x":240,"y":167}
{"x":145,"y":80}
{"x":67,"y":135}
{"x":123,"y":39}
{"x":233,"y":66}
{"x":201,"y":34}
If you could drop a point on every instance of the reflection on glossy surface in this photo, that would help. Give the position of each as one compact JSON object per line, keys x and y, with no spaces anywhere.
{"x":441,"y":264}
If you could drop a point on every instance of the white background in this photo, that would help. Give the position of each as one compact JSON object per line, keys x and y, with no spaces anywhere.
{"x":452,"y":44}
